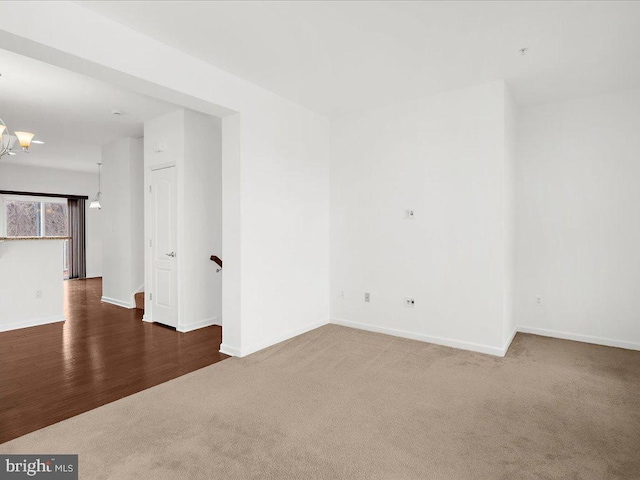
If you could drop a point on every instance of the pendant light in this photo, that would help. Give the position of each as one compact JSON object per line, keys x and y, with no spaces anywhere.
{"x":95,"y":203}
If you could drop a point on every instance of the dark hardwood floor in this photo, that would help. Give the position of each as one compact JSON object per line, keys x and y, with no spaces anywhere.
{"x":100,"y":354}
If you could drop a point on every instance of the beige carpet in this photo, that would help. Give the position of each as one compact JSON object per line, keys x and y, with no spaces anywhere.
{"x":339,"y":403}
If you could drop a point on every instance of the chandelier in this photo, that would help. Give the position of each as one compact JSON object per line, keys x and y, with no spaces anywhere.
{"x":8,"y":140}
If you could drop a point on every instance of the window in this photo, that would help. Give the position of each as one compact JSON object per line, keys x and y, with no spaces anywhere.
{"x":23,"y":219}
{"x":36,"y":218}
{"x":38,"y":215}
{"x":55,"y":219}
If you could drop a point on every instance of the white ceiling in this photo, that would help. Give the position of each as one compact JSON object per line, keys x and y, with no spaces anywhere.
{"x":336,"y":57}
{"x":71,"y":113}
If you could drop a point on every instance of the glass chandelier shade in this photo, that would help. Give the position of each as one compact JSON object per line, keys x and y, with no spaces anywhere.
{"x":25,"y":140}
{"x":9,"y":140}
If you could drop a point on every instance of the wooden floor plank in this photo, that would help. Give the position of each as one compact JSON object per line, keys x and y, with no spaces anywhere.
{"x":100,"y":354}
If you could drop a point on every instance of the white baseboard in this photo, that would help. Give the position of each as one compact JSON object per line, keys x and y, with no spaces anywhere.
{"x":607,"y":342}
{"x":228,"y":350}
{"x":447,"y":342}
{"x":207,"y":322}
{"x":140,"y":289}
{"x":34,"y":322}
{"x":119,"y":303}
{"x":243,"y":352}
{"x":507,"y":344}
{"x":145,"y":317}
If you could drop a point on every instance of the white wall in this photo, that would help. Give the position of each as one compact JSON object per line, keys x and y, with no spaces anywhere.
{"x":202,"y":201}
{"x":122,"y":221}
{"x":231,"y":235}
{"x":136,"y":171}
{"x":510,"y":151}
{"x":28,"y":266}
{"x":193,"y":142}
{"x":445,"y":158}
{"x":578,"y":223}
{"x":48,"y":180}
{"x":285,"y":223}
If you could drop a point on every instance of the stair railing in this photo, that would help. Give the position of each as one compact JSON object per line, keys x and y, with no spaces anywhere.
{"x":218,"y":262}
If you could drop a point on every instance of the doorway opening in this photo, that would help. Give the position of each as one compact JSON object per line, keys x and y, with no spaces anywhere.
{"x":97,"y":313}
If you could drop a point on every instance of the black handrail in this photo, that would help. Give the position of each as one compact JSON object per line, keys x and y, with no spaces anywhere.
{"x":217,"y":260}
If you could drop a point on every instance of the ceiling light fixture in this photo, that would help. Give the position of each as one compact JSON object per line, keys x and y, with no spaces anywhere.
{"x":8,"y":140}
{"x":95,"y":203}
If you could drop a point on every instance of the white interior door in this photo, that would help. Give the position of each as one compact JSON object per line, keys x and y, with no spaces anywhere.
{"x":164,"y":292}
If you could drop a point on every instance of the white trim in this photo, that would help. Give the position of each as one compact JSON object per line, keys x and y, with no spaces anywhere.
{"x":507,"y":344}
{"x":140,"y":289}
{"x":243,"y":352}
{"x":31,"y":323}
{"x":207,"y":322}
{"x":228,"y":350}
{"x":146,"y":317}
{"x":447,"y":342}
{"x":119,"y":303}
{"x":581,"y":338}
{"x":33,"y":198}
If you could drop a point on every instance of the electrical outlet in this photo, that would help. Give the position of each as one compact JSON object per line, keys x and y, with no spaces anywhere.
{"x":409,"y":302}
{"x":538,"y":300}
{"x":367,"y":297}
{"x":39,"y":293}
{"x":409,"y":214}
